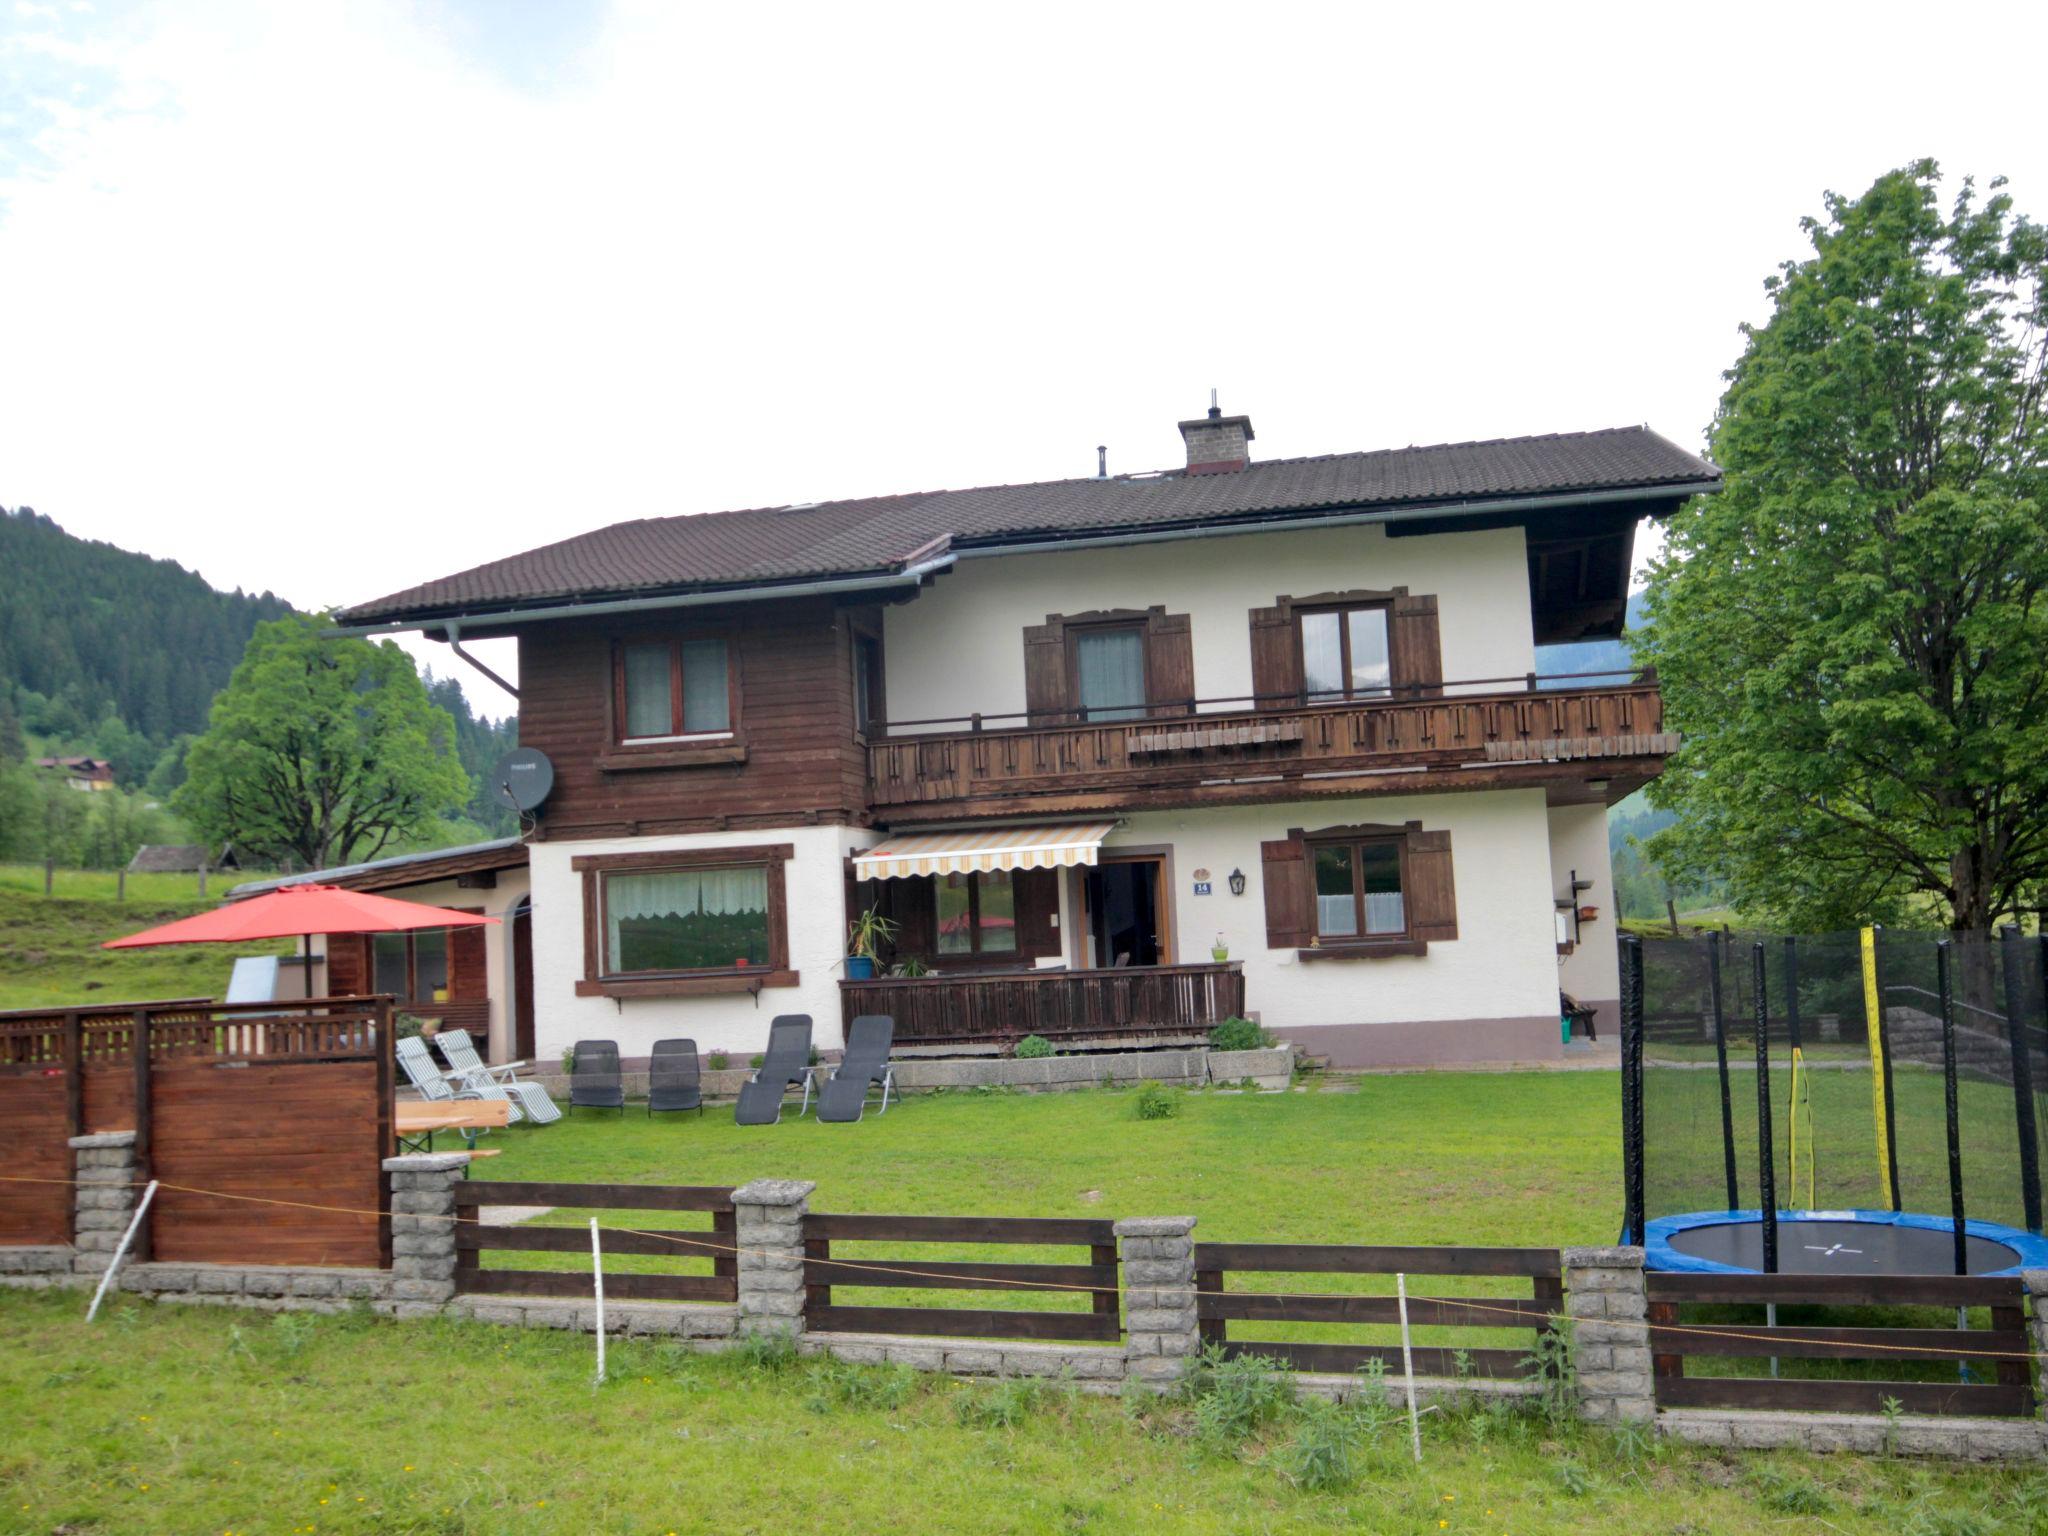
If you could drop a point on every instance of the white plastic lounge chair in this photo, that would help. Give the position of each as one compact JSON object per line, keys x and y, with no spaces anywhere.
{"x":469,"y":1068}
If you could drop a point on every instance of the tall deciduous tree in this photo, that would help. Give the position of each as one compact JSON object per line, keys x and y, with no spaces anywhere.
{"x":1853,"y":635}
{"x":321,"y":748}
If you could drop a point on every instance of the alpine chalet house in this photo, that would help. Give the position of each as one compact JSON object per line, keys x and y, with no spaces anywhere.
{"x":1117,"y":757}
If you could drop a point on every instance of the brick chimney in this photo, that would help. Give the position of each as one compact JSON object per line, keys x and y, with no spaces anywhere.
{"x":1216,"y":442}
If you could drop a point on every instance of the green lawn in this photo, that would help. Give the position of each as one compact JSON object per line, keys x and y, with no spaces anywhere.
{"x":49,"y":946}
{"x":182,"y":1420}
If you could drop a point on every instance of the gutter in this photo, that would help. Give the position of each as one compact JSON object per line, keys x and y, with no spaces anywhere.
{"x":909,"y":576}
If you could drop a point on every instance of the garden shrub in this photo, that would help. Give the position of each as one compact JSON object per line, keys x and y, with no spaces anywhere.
{"x":1156,"y":1102}
{"x":1233,"y":1397}
{"x":719,"y":1061}
{"x":1235,"y":1034}
{"x":1323,"y":1452}
{"x":1031,"y":1047}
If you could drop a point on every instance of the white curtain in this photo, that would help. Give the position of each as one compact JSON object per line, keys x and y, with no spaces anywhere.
{"x":1111,"y":664}
{"x":684,"y":893}
{"x":1336,"y":917}
{"x":1322,"y":655}
{"x":647,"y":699}
{"x":1385,"y":913}
{"x":706,"y":702}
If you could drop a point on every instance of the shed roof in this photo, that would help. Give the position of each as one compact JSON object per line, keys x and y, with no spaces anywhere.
{"x":401,"y":869}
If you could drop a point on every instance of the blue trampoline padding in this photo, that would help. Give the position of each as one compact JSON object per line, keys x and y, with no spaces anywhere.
{"x":1658,"y":1254}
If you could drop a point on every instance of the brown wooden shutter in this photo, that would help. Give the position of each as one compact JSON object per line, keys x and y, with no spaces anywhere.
{"x":1417,"y":647}
{"x":1045,"y":673}
{"x":1290,"y":906}
{"x":1432,"y":896}
{"x":1276,"y":663}
{"x":348,"y":969}
{"x":468,"y":969}
{"x":1038,"y":908}
{"x":1169,"y":663}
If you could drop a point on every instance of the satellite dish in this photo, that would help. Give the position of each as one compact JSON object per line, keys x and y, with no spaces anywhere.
{"x":523,"y":779}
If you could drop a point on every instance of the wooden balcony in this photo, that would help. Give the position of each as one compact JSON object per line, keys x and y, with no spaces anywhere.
{"x":1474,"y":735}
{"x":1126,"y":1002}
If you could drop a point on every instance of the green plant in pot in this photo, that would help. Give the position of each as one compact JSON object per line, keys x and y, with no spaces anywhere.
{"x":865,"y":937}
{"x":1219,"y":951}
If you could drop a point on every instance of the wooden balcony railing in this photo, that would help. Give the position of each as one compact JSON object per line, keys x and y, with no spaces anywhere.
{"x":1004,"y":1008}
{"x":1202,"y":744}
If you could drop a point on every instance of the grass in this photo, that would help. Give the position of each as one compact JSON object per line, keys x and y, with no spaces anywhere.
{"x":181,"y":1420}
{"x":50,"y":954}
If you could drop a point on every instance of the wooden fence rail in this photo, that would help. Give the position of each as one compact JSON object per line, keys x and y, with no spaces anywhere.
{"x":823,"y":1273}
{"x":1672,"y":1344}
{"x":719,"y":1245}
{"x":1215,"y":1312}
{"x":1153,"y":999}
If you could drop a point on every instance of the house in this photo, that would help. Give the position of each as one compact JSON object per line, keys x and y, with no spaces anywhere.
{"x":180,"y":859}
{"x":1077,"y":739}
{"x":475,"y":979}
{"x":89,"y":774}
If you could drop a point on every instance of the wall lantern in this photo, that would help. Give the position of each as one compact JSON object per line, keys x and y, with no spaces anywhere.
{"x":1237,"y":882}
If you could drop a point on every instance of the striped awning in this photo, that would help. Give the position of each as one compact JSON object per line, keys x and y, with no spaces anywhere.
{"x":958,"y":853}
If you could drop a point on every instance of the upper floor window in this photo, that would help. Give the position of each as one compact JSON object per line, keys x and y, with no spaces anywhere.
{"x":674,"y":690}
{"x":1358,"y":890}
{"x":867,"y":682}
{"x":1345,"y":654}
{"x":1109,"y":671}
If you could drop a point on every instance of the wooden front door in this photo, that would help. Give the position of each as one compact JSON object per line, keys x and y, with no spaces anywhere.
{"x":1126,"y":912}
{"x":522,"y":982}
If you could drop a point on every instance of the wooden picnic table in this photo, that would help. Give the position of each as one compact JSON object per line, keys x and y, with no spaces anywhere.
{"x":415,"y":1120}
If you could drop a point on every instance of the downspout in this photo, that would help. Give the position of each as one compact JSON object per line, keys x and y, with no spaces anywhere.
{"x":455,"y":645}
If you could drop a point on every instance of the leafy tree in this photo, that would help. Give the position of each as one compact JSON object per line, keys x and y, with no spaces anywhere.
{"x":13,"y":745}
{"x":322,"y":749}
{"x":1852,"y":635}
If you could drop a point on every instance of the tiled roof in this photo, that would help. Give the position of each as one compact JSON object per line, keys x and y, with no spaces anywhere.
{"x":879,"y":534}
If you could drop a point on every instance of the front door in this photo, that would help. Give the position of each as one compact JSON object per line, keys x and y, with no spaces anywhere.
{"x":522,"y":982}
{"x":1127,"y":912}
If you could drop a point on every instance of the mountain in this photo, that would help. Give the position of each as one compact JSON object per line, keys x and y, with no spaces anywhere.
{"x":88,"y":630}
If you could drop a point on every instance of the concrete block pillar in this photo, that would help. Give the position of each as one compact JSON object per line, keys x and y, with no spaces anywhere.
{"x":2036,"y":1282}
{"x":1160,"y":1329}
{"x":423,"y":1230}
{"x":769,"y":1221}
{"x":1605,"y":1298}
{"x":103,"y":1199}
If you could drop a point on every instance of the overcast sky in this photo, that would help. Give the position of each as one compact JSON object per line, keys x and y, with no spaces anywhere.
{"x":332,"y":299}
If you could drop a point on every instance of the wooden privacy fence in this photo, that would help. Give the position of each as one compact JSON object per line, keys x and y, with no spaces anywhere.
{"x":1094,"y":1282}
{"x":718,"y":1246}
{"x":2007,"y":1392}
{"x":1215,"y":1312}
{"x":286,"y":1104}
{"x":1152,"y":999}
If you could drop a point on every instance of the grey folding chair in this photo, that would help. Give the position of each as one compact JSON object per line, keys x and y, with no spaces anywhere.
{"x":787,"y":1062}
{"x":673,"y":1078}
{"x":594,"y":1082}
{"x":845,"y":1094}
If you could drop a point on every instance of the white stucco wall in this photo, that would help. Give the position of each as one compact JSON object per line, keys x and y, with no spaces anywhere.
{"x":732,"y":1022}
{"x":959,"y":647}
{"x":1502,"y":965}
{"x":498,"y":902}
{"x":1578,"y":840}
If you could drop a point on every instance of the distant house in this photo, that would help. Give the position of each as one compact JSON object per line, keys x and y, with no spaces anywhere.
{"x":82,"y":773}
{"x":179,"y":859}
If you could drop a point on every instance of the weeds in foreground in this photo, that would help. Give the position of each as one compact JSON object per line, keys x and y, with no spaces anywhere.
{"x":764,"y":1351}
{"x":1553,"y":1365}
{"x":1001,"y":1405}
{"x":1323,"y":1452}
{"x":883,"y":1387}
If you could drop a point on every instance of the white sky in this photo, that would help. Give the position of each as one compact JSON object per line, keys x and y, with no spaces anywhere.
{"x":332,"y":299}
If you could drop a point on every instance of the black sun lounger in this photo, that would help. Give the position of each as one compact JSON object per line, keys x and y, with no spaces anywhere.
{"x":673,"y":1078}
{"x":788,"y":1061}
{"x":594,"y":1082}
{"x":866,"y":1061}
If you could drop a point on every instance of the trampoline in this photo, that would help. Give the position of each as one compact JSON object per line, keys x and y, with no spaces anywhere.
{"x":1856,"y":1104}
{"x":1837,"y":1243}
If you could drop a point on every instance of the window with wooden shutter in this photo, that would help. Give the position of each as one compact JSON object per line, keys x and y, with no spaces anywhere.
{"x":1284,"y":879}
{"x":1432,"y":895}
{"x":1276,"y":660}
{"x":1417,"y":647}
{"x":1362,"y":892}
{"x":1115,"y":664}
{"x":1341,"y":646}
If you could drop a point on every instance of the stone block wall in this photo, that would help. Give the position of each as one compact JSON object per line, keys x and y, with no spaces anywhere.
{"x":770,"y":1222}
{"x":1604,"y":1296}
{"x":1160,"y":1330}
{"x":105,"y":1196}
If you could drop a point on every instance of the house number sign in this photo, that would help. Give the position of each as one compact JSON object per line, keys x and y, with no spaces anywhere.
{"x":1201,"y":882}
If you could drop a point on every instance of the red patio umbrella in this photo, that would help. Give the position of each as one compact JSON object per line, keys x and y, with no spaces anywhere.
{"x":298,"y":911}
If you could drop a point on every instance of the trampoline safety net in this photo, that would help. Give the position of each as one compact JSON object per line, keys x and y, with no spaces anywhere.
{"x":1815,"y":1072}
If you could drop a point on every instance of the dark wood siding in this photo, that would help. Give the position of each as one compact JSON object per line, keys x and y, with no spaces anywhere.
{"x":794,"y":721}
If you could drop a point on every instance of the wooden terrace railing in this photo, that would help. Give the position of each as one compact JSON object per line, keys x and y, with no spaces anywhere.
{"x":980,"y":757}
{"x":1007,"y":1006}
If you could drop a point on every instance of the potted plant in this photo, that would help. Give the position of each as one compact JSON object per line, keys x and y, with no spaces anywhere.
{"x":1219,"y":951}
{"x":864,"y":941}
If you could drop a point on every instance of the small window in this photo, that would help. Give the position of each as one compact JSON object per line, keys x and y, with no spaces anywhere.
{"x":976,"y":914}
{"x":663,"y":921}
{"x":412,"y":967}
{"x":1358,"y":890}
{"x":1345,"y":654}
{"x":390,"y":972}
{"x":1109,"y":672}
{"x":867,"y":683}
{"x":674,"y":690}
